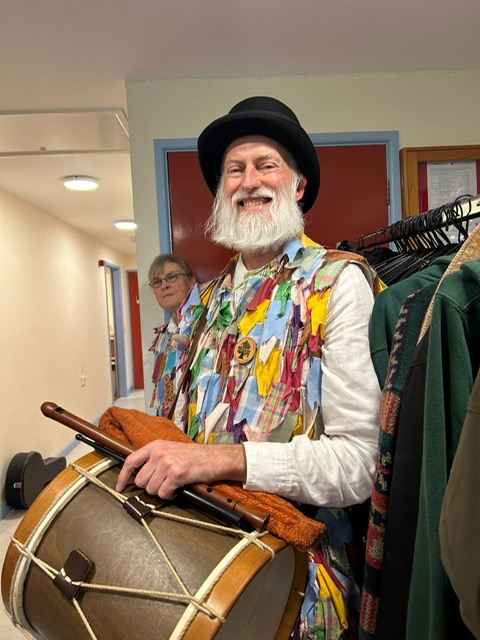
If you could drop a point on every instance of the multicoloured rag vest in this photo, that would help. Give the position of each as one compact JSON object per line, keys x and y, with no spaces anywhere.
{"x":256,"y":374}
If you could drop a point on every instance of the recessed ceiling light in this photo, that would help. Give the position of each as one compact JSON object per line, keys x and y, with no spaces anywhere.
{"x":80,"y":183}
{"x":125,"y":224}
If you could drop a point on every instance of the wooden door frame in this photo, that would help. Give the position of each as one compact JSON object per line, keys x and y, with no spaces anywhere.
{"x":389,"y":138}
{"x":119,"y":326}
{"x":411,"y":157}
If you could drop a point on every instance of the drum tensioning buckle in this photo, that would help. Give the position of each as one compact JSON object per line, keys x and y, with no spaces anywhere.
{"x":142,"y":505}
{"x":74,"y":571}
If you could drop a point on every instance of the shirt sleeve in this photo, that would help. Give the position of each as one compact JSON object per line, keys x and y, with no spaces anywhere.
{"x":336,"y":470}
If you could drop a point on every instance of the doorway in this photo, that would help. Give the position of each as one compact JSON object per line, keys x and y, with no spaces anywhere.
{"x":116,"y":330}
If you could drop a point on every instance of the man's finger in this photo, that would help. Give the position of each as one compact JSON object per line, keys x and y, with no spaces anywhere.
{"x":126,"y":471}
{"x":122,"y":479}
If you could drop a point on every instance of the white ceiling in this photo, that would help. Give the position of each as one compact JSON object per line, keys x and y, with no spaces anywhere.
{"x":73,"y":58}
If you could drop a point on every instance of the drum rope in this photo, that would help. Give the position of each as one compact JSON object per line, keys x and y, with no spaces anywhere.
{"x":253,"y":538}
{"x":51,"y":572}
{"x":44,"y":566}
{"x":80,"y":612}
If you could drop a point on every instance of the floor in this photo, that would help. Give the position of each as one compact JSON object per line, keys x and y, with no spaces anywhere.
{"x":9,"y":523}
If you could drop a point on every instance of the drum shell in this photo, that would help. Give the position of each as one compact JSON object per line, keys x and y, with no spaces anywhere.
{"x":65,"y":517}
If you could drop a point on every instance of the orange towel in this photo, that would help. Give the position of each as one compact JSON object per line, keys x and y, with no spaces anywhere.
{"x":286,"y":521}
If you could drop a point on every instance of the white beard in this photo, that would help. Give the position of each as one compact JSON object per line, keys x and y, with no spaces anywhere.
{"x":256,"y":231}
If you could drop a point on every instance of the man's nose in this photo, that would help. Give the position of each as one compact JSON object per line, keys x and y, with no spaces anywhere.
{"x":251,"y":179}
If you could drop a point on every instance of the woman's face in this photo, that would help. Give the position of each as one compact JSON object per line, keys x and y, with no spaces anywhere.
{"x":170,"y":295}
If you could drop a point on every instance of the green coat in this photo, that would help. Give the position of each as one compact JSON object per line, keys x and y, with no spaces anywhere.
{"x":460,"y":519}
{"x":387,"y":308}
{"x":453,"y":362}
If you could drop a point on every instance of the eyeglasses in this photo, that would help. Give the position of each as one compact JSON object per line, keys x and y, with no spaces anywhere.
{"x":171,"y":277}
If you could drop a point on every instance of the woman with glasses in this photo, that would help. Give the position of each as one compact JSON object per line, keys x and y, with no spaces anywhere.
{"x":171,"y":279}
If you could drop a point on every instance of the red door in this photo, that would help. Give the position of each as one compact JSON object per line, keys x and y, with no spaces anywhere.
{"x":352,"y":201}
{"x":137,"y":355}
{"x":353,"y":197}
{"x":190,"y":204}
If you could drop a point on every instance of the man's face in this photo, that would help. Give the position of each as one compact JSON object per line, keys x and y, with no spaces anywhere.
{"x":256,"y":207}
{"x":252,"y":166}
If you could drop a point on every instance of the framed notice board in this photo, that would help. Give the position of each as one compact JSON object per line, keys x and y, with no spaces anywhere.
{"x":422,"y":171}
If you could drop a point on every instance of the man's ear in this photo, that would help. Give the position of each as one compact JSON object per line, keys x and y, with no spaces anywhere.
{"x":301,"y":188}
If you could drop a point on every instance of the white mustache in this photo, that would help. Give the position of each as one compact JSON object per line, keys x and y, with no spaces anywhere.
{"x":257,"y":193}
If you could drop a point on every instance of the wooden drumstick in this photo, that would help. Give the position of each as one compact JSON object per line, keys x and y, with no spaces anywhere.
{"x":256,"y":519}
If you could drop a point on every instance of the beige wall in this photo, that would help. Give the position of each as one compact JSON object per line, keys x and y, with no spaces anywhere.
{"x":53,"y":320}
{"x":427,"y":109}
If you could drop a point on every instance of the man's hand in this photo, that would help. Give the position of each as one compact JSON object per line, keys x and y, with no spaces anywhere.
{"x":165,"y":466}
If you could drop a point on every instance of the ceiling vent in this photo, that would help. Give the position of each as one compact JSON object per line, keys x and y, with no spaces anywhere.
{"x":63,"y":132}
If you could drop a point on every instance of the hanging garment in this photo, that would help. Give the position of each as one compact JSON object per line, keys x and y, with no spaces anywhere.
{"x":392,"y":527}
{"x":395,"y":394}
{"x":460,"y":518}
{"x":401,"y":525}
{"x":387,"y":307}
{"x":453,"y":362}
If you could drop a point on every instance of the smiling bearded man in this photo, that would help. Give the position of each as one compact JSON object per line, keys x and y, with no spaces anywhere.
{"x":280,"y":382}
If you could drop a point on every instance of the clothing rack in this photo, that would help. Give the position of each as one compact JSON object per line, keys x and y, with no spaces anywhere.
{"x":413,"y":243}
{"x":448,"y":223}
{"x":424,"y":337}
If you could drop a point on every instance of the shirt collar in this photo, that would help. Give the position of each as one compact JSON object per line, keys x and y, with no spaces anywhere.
{"x":295,"y":248}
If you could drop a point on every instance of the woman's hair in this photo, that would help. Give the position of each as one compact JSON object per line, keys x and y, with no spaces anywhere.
{"x":159,"y":262}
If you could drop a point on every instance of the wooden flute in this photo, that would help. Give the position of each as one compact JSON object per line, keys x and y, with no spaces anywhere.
{"x":200,"y":494}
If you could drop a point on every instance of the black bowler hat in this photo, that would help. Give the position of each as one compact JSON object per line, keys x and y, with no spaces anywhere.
{"x":263,"y":116}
